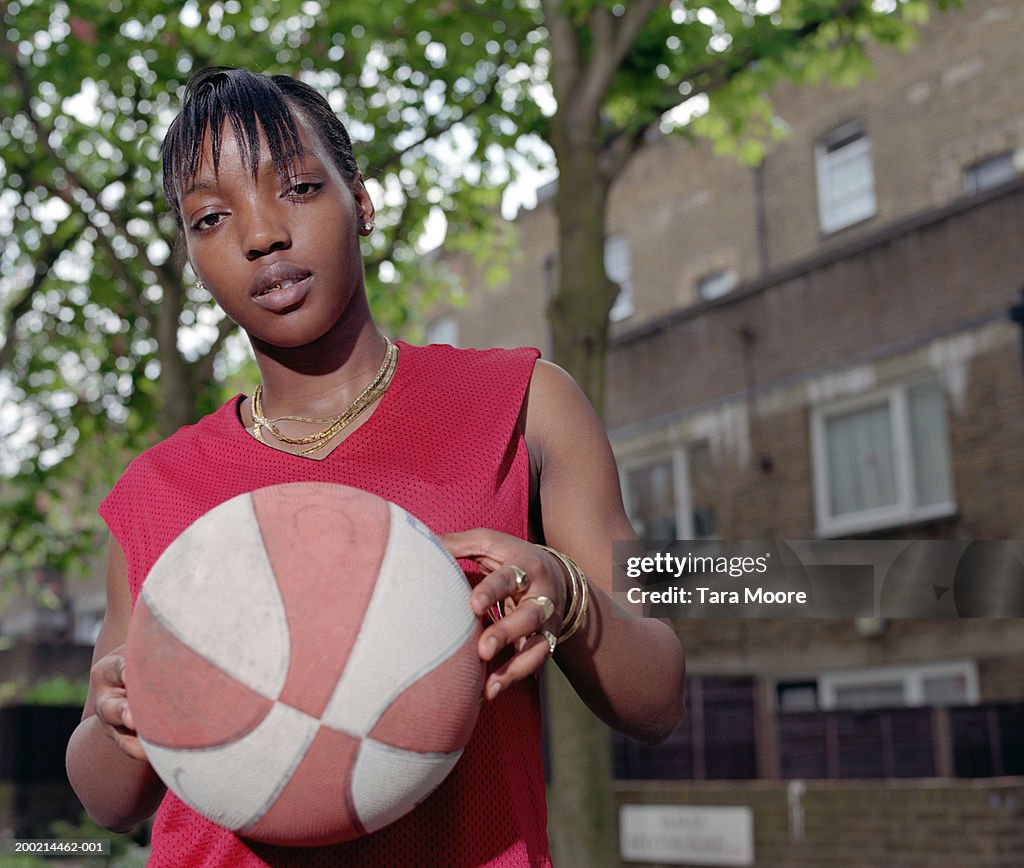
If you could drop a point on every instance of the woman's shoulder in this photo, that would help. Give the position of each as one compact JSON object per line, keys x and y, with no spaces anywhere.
{"x":446,"y":355}
{"x":468,"y":371}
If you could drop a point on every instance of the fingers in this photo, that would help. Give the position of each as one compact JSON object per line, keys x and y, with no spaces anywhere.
{"x":527,"y":662}
{"x":531,"y":616}
{"x":528,"y":631}
{"x":113,"y":712}
{"x":478,"y":543}
{"x":530,"y":584}
{"x":111,"y":704}
{"x":505,"y":582}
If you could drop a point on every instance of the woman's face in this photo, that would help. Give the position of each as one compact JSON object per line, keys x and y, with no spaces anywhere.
{"x":279,"y":254}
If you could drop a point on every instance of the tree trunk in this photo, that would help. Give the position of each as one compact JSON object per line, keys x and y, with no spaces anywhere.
{"x":578,"y":312}
{"x":177,"y":401}
{"x":583,"y":826}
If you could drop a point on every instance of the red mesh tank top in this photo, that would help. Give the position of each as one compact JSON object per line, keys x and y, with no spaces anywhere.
{"x":444,"y":443}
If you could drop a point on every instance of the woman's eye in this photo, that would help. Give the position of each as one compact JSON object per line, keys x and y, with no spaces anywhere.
{"x":304,"y":188}
{"x":207,"y":221}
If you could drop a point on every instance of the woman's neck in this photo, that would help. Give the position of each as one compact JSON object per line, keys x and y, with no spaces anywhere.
{"x":319,"y":380}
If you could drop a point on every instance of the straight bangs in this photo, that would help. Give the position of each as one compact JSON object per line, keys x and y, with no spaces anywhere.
{"x":250,"y":103}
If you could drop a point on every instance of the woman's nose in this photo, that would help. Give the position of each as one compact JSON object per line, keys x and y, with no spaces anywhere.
{"x":266,"y":233}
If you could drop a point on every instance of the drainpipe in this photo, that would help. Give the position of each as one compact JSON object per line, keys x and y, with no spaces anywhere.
{"x":1016,"y":313}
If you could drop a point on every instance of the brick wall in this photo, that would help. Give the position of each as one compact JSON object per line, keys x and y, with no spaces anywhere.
{"x":793,"y":648}
{"x":510,"y":312}
{"x":745,"y":374}
{"x":905,"y":286}
{"x":686,"y":213}
{"x":938,"y":823}
{"x":929,"y":114}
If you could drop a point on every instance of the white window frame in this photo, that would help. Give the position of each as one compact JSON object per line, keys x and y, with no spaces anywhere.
{"x":904,"y":511}
{"x":912,"y":678}
{"x":979,"y":176}
{"x":618,"y":265}
{"x":715,"y":284}
{"x":847,"y":142}
{"x":680,"y":484}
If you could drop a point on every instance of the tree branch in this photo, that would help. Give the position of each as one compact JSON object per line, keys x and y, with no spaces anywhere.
{"x":613,"y":40}
{"x":621,"y":144}
{"x":75,"y":181}
{"x":433,"y":129}
{"x":565,"y":51}
{"x":45,"y":260}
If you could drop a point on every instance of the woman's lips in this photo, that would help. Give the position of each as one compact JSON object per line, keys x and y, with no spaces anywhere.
{"x":283,"y":294}
{"x":279,"y":286}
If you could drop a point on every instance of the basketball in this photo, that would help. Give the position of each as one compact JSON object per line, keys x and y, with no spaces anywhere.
{"x":301,"y":664}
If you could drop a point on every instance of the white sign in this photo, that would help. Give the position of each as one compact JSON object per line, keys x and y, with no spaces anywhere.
{"x":686,"y":835}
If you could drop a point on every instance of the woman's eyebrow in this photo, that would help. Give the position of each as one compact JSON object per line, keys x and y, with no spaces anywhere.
{"x":197,"y":187}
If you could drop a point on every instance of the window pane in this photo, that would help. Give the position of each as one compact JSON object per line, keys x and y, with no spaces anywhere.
{"x":880,"y":695}
{"x":716,"y":284}
{"x":652,"y":501}
{"x":618,"y":267}
{"x":846,"y":182}
{"x":702,"y":480}
{"x":945,"y":690}
{"x":798,"y":696}
{"x":928,"y":445}
{"x":990,"y":173}
{"x":861,"y":468}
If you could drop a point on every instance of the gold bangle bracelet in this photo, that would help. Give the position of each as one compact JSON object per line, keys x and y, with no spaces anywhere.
{"x":579,"y":595}
{"x":572,"y":586}
{"x":570,"y":629}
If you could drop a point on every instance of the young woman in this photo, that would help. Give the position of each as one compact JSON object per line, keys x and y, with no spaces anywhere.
{"x":494,"y":449}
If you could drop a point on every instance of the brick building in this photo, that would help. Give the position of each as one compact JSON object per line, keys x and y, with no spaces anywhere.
{"x":827,"y":349}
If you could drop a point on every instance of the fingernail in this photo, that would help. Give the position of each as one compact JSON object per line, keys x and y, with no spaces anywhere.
{"x":491,"y":646}
{"x":493,"y":690}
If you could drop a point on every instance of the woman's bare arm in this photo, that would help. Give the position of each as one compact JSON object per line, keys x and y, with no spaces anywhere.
{"x":105,"y":761}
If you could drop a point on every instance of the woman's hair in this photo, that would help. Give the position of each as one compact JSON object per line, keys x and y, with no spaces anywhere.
{"x":251,"y":103}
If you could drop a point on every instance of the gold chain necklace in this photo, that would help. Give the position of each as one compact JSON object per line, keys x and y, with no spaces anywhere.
{"x":377,"y":387}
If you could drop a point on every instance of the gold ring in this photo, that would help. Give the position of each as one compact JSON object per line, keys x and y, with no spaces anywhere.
{"x":552,"y":640}
{"x":544,"y":602}
{"x":522,"y":580}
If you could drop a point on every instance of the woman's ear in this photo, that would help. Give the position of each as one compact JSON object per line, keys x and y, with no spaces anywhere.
{"x":364,"y":206}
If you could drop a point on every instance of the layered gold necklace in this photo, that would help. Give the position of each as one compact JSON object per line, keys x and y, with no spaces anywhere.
{"x":333,"y":425}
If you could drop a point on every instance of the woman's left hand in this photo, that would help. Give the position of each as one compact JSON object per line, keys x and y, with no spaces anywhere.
{"x":530,"y":583}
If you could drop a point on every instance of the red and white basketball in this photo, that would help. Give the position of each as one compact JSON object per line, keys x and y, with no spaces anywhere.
{"x":301,"y":664}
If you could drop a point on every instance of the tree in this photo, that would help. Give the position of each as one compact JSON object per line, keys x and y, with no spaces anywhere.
{"x":107,"y":342}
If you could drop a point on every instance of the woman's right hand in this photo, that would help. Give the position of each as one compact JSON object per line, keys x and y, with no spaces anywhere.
{"x":111,"y":703}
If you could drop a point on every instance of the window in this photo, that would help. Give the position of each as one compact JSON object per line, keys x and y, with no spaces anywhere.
{"x":716,"y":284}
{"x":619,"y":270}
{"x":846,"y":181}
{"x":990,"y":172}
{"x":882,"y":460}
{"x":882,"y":687}
{"x":651,"y":494}
{"x":797,"y":695}
{"x":672,"y":496}
{"x":444,"y":330}
{"x":888,"y":687}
